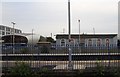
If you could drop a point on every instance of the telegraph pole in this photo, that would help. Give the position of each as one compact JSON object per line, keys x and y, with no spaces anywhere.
{"x":70,"y":65}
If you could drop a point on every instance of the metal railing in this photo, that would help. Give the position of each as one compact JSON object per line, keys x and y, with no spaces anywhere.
{"x":56,"y":49}
{"x":56,"y":57}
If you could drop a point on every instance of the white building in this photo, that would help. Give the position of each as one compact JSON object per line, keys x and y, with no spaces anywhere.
{"x":87,"y":39}
{"x":5,"y":30}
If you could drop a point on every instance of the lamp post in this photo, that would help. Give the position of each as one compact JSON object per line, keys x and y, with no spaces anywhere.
{"x":70,"y":65}
{"x":79,"y":43}
{"x":94,"y":31}
{"x":32,"y":37}
{"x":13,"y":36}
{"x":79,"y":37}
{"x":32,"y":49}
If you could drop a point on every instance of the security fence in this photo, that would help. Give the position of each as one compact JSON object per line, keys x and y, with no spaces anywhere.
{"x":57,"y":57}
{"x":57,"y":49}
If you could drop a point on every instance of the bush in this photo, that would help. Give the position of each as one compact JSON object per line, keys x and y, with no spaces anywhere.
{"x":24,"y":50}
{"x":44,"y":49}
{"x":21,"y":70}
{"x":99,"y":71}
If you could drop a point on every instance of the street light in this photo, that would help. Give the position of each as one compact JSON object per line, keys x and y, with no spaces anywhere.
{"x":79,"y":37}
{"x":32,"y":49}
{"x":13,"y":36}
{"x":32,"y":36}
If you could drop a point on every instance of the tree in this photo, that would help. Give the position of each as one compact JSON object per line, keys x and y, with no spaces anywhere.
{"x":42,"y":39}
{"x":24,"y":50}
{"x":50,"y":39}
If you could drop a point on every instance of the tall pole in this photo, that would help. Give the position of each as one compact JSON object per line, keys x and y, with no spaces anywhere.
{"x":51,"y":35}
{"x":13,"y":36}
{"x":70,"y":66}
{"x":69,"y":24}
{"x":32,"y":50}
{"x":79,"y":34}
{"x":32,"y":36}
{"x":32,"y":41}
{"x":94,"y":31}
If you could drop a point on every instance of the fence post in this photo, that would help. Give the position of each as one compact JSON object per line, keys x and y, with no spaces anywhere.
{"x":108,"y":56}
{"x":1,"y":58}
{"x":70,"y":65}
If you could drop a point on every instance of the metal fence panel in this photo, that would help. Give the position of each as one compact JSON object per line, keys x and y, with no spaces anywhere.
{"x":57,"y":57}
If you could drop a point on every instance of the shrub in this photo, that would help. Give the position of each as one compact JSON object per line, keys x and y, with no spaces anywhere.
{"x":24,"y":50}
{"x":99,"y":71}
{"x":21,"y":70}
{"x":44,"y":49}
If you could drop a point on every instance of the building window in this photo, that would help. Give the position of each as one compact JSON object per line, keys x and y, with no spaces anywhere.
{"x":2,"y":28}
{"x":17,"y":31}
{"x":107,"y":42}
{"x":89,"y":42}
{"x":98,"y":42}
{"x":62,"y":42}
{"x":3,"y":33}
{"x":7,"y":33}
{"x":20,"y":31}
{"x":0,"y":32}
{"x":7,"y":29}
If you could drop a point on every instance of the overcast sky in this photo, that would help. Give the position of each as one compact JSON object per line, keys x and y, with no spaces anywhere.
{"x":50,"y":16}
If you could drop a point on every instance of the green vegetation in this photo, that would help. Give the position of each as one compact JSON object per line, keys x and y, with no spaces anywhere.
{"x":44,"y":71}
{"x":24,"y":51}
{"x":21,"y":69}
{"x":46,"y":39}
{"x":44,"y":49}
{"x":50,"y":39}
{"x":24,"y":70}
{"x":99,"y":71}
{"x":42,"y":39}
